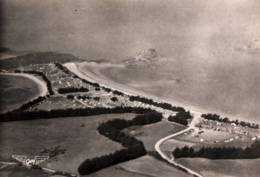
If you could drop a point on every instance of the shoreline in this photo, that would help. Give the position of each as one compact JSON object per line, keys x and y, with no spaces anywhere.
{"x":41,"y":84}
{"x":102,"y":80}
{"x":42,"y":87}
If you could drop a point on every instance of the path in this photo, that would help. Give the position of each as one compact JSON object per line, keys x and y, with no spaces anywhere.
{"x":195,"y":120}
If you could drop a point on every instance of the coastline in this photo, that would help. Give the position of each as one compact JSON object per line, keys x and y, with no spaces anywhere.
{"x":41,"y":84}
{"x":103,"y":80}
{"x":42,"y":87}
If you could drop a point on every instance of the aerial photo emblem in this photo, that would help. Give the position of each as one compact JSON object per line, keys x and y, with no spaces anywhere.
{"x":29,"y":162}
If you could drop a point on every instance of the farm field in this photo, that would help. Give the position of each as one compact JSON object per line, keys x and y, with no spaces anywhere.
{"x":149,"y":166}
{"x":150,"y":134}
{"x":220,"y":168}
{"x":171,"y":144}
{"x":74,"y":139}
{"x":114,"y":171}
{"x":19,"y":171}
{"x":145,"y":166}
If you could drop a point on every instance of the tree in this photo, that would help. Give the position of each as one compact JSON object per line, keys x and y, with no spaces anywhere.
{"x":251,"y":152}
{"x":114,"y":99}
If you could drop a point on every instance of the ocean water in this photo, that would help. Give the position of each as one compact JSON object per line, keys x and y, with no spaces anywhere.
{"x":16,"y":90}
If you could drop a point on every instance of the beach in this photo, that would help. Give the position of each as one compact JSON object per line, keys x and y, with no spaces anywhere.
{"x":19,"y":91}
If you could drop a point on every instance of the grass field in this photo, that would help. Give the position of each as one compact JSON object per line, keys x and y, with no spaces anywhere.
{"x":77,"y":136}
{"x":145,"y":166}
{"x":113,"y":171}
{"x":19,"y":171}
{"x":57,"y":102}
{"x":149,"y":166}
{"x":223,"y":168}
{"x":150,"y":134}
{"x":171,"y":144}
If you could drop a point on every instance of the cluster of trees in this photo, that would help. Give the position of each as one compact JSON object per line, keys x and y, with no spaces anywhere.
{"x":98,"y":163}
{"x":152,"y":102}
{"x":133,"y":148}
{"x":43,"y":76}
{"x":62,"y":68}
{"x":70,"y":97}
{"x":29,"y":104}
{"x":61,"y":113}
{"x":146,"y":118}
{"x":97,"y":88}
{"x":32,"y":102}
{"x":72,"y":89}
{"x":220,"y":152}
{"x":216,"y":117}
{"x":114,"y":99}
{"x":116,"y":92}
{"x":84,"y":97}
{"x":181,"y":117}
{"x":96,"y":98}
{"x":108,"y":90}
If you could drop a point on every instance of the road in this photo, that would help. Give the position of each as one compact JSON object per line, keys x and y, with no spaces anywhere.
{"x":195,"y":120}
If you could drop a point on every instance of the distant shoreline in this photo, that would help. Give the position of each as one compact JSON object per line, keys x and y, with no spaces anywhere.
{"x":103,"y":80}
